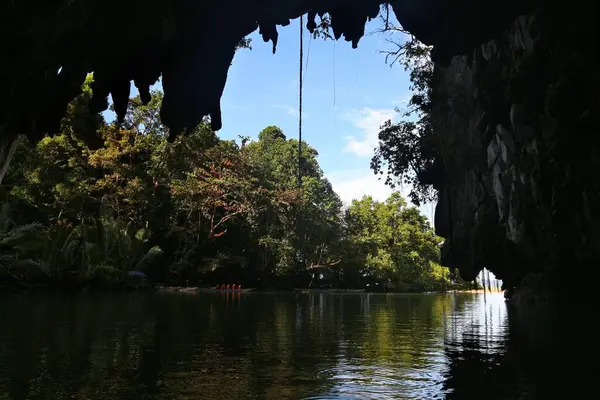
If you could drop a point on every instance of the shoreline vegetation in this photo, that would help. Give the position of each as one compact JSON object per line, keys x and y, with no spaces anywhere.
{"x":84,"y":208}
{"x":196,"y":290}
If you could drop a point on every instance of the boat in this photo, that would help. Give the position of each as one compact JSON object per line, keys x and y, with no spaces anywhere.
{"x":214,"y":290}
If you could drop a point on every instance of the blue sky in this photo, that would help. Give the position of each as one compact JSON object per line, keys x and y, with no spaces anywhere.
{"x":348,"y":94}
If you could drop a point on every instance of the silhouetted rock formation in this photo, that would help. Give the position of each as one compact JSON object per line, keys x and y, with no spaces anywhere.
{"x":48,"y":46}
{"x":518,"y":118}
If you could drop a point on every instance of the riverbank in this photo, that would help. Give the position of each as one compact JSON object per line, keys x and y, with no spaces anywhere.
{"x":162,"y":288}
{"x":481,"y":291}
{"x":182,"y":289}
{"x":194,"y":290}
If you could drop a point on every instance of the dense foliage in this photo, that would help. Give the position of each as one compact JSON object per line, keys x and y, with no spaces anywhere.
{"x":200,"y":210}
{"x":408,"y":151}
{"x":393,"y":244}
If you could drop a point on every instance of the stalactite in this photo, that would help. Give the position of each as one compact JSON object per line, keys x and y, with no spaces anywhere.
{"x":190,"y":43}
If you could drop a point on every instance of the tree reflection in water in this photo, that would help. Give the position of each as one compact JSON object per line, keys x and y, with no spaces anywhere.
{"x":179,"y":346}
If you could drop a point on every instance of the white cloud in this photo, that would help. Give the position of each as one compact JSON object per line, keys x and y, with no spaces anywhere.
{"x":291,"y":111}
{"x":369,"y":121}
{"x":354,"y":184}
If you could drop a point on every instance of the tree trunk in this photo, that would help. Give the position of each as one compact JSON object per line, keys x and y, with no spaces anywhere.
{"x":8,"y":148}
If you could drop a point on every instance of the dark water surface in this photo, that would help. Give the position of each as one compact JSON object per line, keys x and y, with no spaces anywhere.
{"x":263,"y":346}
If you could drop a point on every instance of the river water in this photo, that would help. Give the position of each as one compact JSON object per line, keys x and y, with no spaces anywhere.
{"x":263,"y":346}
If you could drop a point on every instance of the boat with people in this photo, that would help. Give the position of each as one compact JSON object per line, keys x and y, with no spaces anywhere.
{"x":214,"y":290}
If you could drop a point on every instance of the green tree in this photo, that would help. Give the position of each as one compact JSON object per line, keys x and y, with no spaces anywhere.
{"x":408,"y":151}
{"x":306,"y":235}
{"x":206,"y":208}
{"x":392,"y":244}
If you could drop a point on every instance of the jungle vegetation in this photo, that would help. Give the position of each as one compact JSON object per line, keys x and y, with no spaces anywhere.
{"x":81,"y":208}
{"x":78,"y":212}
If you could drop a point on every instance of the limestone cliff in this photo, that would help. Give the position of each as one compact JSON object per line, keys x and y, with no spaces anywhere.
{"x":518,"y":121}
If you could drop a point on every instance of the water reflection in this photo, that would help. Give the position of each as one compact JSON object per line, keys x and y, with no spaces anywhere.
{"x":260,"y":346}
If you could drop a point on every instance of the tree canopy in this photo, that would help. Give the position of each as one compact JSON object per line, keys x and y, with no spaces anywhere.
{"x":200,"y":210}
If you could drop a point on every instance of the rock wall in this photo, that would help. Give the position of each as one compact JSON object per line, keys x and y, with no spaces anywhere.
{"x":518,"y":122}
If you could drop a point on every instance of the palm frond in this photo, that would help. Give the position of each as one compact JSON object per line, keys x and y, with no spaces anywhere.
{"x":20,"y":235}
{"x":69,"y":250}
{"x":29,"y":267}
{"x":150,"y":256}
